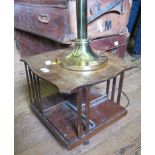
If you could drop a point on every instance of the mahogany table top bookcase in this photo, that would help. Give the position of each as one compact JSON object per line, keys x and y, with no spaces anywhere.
{"x":78,"y":111}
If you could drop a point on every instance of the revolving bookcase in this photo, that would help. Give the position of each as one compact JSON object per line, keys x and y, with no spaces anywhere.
{"x":78,"y":111}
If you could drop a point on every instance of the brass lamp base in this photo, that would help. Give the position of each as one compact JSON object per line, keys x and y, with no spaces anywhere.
{"x":83,"y":58}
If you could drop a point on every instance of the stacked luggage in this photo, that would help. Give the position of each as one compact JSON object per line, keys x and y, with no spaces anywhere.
{"x":44,"y":25}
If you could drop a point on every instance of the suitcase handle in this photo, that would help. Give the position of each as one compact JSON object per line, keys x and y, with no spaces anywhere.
{"x":43,"y":18}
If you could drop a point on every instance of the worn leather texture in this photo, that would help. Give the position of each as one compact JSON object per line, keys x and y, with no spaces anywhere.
{"x":56,"y":19}
{"x":30,"y":44}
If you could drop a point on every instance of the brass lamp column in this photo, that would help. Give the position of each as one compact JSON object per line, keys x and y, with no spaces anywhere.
{"x":83,"y":58}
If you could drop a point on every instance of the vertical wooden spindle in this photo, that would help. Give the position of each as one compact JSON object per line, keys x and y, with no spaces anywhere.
{"x":87,"y":107}
{"x":79,"y":112}
{"x":113,"y":89}
{"x":28,"y":82}
{"x":107,"y":87}
{"x":120,"y":87}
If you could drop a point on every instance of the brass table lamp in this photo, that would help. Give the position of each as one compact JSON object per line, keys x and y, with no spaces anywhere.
{"x":82,"y":58}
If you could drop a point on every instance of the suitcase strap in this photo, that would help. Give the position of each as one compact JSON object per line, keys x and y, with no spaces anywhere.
{"x":116,"y":5}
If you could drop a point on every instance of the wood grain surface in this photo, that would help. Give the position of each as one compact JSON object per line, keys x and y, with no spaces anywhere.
{"x":32,"y":138}
{"x":68,"y":81}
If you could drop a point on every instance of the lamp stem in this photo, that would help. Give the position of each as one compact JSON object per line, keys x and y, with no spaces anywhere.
{"x":81,"y":12}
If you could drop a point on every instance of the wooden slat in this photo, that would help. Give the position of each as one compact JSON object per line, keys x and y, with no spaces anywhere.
{"x":79,"y":112}
{"x":120,"y":87}
{"x":107,"y":87}
{"x":87,"y":107}
{"x":113,"y":89}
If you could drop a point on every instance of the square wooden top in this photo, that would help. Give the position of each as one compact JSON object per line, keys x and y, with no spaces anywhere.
{"x":68,"y":81}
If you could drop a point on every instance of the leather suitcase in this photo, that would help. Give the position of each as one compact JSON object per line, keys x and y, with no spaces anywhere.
{"x":56,"y":19}
{"x":116,"y":44}
{"x":30,"y":44}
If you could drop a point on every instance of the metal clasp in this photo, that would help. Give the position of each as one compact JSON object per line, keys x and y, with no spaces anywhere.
{"x":43,"y":18}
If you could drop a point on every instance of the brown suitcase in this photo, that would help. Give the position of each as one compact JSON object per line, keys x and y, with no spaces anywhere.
{"x":30,"y":44}
{"x":116,"y":44}
{"x":56,"y":19}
